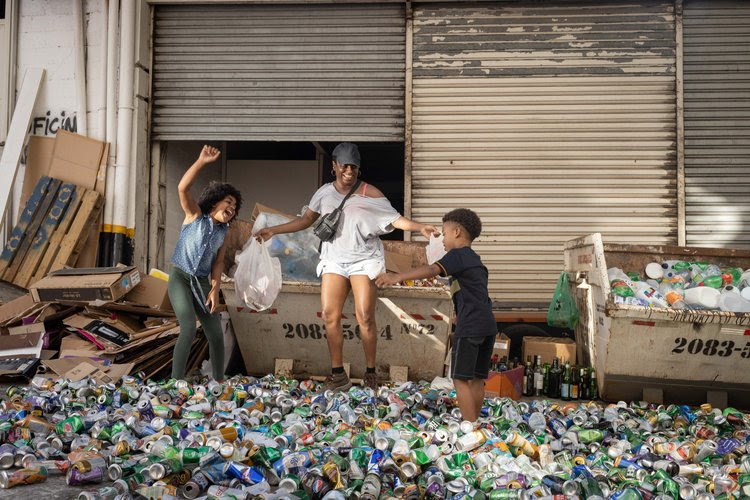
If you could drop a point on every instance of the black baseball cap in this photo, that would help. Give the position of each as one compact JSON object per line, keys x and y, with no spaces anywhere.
{"x":346,"y":153}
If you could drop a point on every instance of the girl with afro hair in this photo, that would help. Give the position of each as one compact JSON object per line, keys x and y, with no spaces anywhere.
{"x":198,"y":262}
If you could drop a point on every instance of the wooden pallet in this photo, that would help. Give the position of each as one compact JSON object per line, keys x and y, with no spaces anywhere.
{"x":51,"y":231}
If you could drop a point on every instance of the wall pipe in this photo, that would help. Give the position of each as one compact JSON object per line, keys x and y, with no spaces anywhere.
{"x":79,"y":42}
{"x":105,"y":244}
{"x":124,"y":130}
{"x":101,"y":105}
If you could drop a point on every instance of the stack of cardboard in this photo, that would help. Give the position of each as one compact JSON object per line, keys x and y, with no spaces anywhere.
{"x":97,"y":322}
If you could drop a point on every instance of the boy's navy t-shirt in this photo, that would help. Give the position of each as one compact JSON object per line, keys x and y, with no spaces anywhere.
{"x":468,"y":278}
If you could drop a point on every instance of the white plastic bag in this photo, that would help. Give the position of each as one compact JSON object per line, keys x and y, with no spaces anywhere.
{"x":257,"y":279}
{"x":435,"y":249}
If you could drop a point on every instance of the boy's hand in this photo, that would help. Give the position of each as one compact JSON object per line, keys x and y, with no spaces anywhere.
{"x":209,"y":154}
{"x":429,"y":229}
{"x":386,"y":279}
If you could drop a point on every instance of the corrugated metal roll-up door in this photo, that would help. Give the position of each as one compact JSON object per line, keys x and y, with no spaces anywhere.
{"x":716,"y":37}
{"x":284,"y":72}
{"x":551,"y":121}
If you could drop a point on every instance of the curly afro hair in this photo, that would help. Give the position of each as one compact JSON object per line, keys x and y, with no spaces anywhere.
{"x":214,"y":193}
{"x":467,"y":219}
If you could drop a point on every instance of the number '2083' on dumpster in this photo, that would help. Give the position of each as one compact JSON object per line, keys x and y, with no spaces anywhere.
{"x":681,"y":355}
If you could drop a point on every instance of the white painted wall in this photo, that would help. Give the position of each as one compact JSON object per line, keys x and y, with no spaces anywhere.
{"x":45,"y":39}
{"x":284,"y":185}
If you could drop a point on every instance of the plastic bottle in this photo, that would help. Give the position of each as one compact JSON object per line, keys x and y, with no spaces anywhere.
{"x":731,"y":300}
{"x":702,"y":297}
{"x":744,"y":285}
{"x":646,"y":292}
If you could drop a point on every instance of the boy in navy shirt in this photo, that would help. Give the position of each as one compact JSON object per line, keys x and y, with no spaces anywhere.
{"x":476,"y":329}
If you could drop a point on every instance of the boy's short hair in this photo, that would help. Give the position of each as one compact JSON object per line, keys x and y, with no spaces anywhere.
{"x":214,"y":193}
{"x":467,"y":219}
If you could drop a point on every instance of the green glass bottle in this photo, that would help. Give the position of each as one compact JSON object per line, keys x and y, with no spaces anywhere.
{"x":565,"y":385}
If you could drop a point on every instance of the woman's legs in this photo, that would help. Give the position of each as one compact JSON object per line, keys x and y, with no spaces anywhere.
{"x":365,"y":296}
{"x":333,"y":293}
{"x":211,"y":324}
{"x":181,"y":298}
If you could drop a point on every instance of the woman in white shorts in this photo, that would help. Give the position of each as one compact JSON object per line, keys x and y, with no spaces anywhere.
{"x":353,"y":258}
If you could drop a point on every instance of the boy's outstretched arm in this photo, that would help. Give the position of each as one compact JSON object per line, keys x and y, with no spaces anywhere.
{"x":389,"y":279}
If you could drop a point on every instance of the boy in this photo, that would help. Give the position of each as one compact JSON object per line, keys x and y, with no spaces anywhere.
{"x":476,"y":329}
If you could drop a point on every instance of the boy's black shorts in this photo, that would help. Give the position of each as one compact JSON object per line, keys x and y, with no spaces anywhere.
{"x":470,"y":357}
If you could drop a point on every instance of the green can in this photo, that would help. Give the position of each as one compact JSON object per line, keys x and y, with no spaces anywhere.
{"x":359,"y":455}
{"x":71,"y":425}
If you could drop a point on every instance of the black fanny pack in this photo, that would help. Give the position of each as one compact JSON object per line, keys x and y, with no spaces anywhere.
{"x":326,"y":225}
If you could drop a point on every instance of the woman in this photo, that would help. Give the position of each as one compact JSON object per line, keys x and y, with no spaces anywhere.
{"x":199,"y":254}
{"x":353,"y":258}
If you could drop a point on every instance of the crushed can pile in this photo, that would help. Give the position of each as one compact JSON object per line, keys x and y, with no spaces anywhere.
{"x":279,"y":438}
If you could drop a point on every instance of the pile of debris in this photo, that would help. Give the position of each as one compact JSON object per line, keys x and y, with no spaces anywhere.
{"x":92,"y":322}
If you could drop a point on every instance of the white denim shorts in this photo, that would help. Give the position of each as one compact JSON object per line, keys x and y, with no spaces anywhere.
{"x":369,"y":267}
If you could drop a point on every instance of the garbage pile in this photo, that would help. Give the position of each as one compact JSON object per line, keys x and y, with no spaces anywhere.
{"x":683,"y":285}
{"x":279,"y":438}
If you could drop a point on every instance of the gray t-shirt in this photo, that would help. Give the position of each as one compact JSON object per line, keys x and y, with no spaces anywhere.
{"x":363,"y":220}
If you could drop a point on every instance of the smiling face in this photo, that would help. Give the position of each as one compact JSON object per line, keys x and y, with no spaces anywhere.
{"x":225,"y":210}
{"x":346,"y":175}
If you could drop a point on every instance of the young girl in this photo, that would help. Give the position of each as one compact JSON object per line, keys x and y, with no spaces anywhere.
{"x":198,"y":262}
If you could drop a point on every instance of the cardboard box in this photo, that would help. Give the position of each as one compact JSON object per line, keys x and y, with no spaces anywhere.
{"x":502,"y":346}
{"x":397,"y":263}
{"x":507,"y":384}
{"x":150,"y":292}
{"x":549,"y":348}
{"x":86,"y":284}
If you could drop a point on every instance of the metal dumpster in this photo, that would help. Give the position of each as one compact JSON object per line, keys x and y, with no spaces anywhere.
{"x":413,"y":330}
{"x":685,"y":354}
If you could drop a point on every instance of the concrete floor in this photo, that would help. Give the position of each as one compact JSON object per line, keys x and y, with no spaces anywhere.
{"x":54,"y":488}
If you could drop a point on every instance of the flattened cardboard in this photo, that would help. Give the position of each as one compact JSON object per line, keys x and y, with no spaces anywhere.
{"x":16,"y":308}
{"x":549,"y":348}
{"x":77,"y":159}
{"x":80,"y":371}
{"x":73,"y":346}
{"x":85,"y":288}
{"x":31,"y":328}
{"x":23,"y":345}
{"x":38,"y":158}
{"x":150,"y":292}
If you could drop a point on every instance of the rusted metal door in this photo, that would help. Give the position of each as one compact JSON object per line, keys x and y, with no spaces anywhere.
{"x":552,"y":121}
